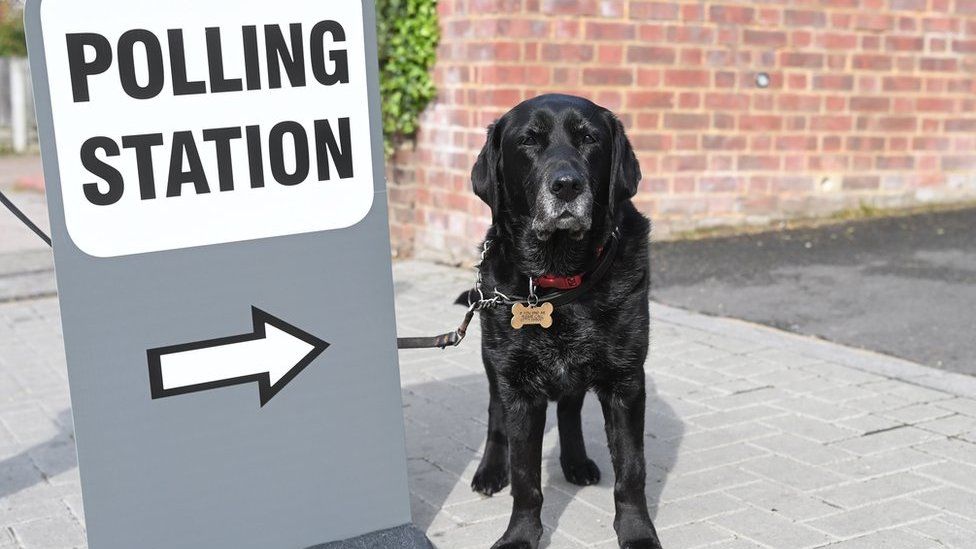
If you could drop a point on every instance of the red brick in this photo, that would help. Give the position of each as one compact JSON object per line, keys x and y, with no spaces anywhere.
{"x":895,"y":162}
{"x":723,"y":142}
{"x":691,"y":34}
{"x":902,"y":83}
{"x":774,"y":39}
{"x":650,"y":100}
{"x":904,"y":43}
{"x":609,"y":31}
{"x":805,"y":18}
{"x":686,"y":78}
{"x":653,"y":10}
{"x":871,"y":62}
{"x":804,"y":60}
{"x":726,"y":101}
{"x":685,"y":163}
{"x":686,"y":121}
{"x":651,"y":55}
{"x":759,"y":163}
{"x":607,"y":77}
{"x":838,"y":41}
{"x":569,"y":7}
{"x":961,"y":125}
{"x":760,"y":122}
{"x":793,"y":102}
{"x":718,"y":184}
{"x":731,"y":14}
{"x":833,"y":82}
{"x":870,"y":104}
{"x":567,"y":52}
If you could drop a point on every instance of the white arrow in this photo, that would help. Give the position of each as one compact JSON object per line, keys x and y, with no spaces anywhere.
{"x":272,"y":355}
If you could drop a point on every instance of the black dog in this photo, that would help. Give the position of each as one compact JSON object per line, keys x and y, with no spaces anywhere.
{"x":558,"y":173}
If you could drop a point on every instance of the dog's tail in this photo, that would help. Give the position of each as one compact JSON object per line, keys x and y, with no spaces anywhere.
{"x":465,"y":296}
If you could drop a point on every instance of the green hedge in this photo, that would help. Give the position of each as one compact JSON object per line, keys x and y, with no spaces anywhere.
{"x":12,"y":41}
{"x":407,"y":35}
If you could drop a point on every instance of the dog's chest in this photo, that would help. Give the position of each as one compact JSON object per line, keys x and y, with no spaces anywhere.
{"x":556,"y":360}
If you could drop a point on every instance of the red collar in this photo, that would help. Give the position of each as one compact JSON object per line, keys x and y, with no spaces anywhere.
{"x":562,"y":282}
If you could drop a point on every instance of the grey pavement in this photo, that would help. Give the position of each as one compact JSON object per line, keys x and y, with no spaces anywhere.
{"x":904,"y":286}
{"x":755,"y":438}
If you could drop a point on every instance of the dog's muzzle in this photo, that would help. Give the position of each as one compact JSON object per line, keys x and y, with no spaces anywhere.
{"x":565,"y":205}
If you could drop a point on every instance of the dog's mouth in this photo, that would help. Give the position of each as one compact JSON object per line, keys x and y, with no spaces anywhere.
{"x":575,"y":225}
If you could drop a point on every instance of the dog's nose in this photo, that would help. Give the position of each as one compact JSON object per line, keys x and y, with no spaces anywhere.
{"x":566,"y":186}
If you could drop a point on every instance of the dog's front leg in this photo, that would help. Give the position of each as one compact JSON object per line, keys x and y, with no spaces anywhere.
{"x":526,"y":421}
{"x":623,"y":414}
{"x":492,"y":473}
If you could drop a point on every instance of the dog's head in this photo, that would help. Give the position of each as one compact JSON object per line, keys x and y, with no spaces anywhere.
{"x":555,"y":164}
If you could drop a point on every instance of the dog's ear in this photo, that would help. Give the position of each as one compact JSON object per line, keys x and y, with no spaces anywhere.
{"x":486,"y":173}
{"x":625,"y":172}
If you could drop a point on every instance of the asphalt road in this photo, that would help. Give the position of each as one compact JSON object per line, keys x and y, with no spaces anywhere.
{"x":903,"y":286}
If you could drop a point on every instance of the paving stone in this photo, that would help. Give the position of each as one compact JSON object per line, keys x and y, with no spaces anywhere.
{"x":689,"y":462}
{"x":959,"y":474}
{"x":954,"y":500}
{"x":703,"y":482}
{"x":782,"y":500}
{"x":870,"y":443}
{"x":865,"y":467}
{"x":938,"y":531}
{"x":690,"y":536}
{"x":802,"y":449}
{"x":917,"y":413}
{"x":695,"y":509}
{"x":871,"y":518}
{"x":49,"y":533}
{"x":863,"y":492}
{"x":771,"y":529}
{"x":888,"y":539}
{"x":951,"y":448}
{"x":792,"y":472}
{"x":952,"y":426}
{"x":740,"y":415}
{"x":965,"y":406}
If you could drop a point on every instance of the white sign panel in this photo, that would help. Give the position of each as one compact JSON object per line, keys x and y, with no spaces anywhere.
{"x":172,"y":136}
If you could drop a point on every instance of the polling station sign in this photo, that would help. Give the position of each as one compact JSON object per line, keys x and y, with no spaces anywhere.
{"x":215,"y":186}
{"x":227,"y":129}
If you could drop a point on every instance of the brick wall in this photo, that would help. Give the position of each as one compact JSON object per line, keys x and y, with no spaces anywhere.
{"x":871,"y":102}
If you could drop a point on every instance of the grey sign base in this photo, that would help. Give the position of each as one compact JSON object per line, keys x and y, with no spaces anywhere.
{"x":407,"y":536}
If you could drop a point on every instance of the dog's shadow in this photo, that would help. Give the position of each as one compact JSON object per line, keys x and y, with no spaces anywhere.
{"x":446,"y":429}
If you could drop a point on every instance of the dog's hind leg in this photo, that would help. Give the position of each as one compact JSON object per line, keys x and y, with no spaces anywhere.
{"x":577,"y":468}
{"x":492,"y":473}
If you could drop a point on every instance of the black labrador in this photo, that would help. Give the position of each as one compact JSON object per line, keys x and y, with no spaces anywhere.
{"x":558,"y":173}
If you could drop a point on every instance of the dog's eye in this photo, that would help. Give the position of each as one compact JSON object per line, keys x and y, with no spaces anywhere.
{"x":589,"y":139}
{"x":528,"y":140}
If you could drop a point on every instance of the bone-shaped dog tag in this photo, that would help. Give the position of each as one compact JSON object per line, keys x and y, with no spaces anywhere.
{"x":525,"y":314}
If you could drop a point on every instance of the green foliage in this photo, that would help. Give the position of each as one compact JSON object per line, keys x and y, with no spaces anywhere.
{"x":407,"y":35}
{"x":12,"y":42}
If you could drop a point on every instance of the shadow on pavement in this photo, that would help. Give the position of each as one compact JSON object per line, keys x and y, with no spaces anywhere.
{"x":446,"y":424}
{"x":39,"y":463}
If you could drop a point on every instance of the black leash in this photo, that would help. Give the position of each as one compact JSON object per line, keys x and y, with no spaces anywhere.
{"x":449,"y":339}
{"x":24,"y":219}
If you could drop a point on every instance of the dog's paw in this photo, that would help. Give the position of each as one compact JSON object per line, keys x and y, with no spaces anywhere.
{"x":515,"y":544}
{"x":521,"y":535}
{"x":646,"y":543}
{"x":581,"y":473}
{"x":488,"y":481}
